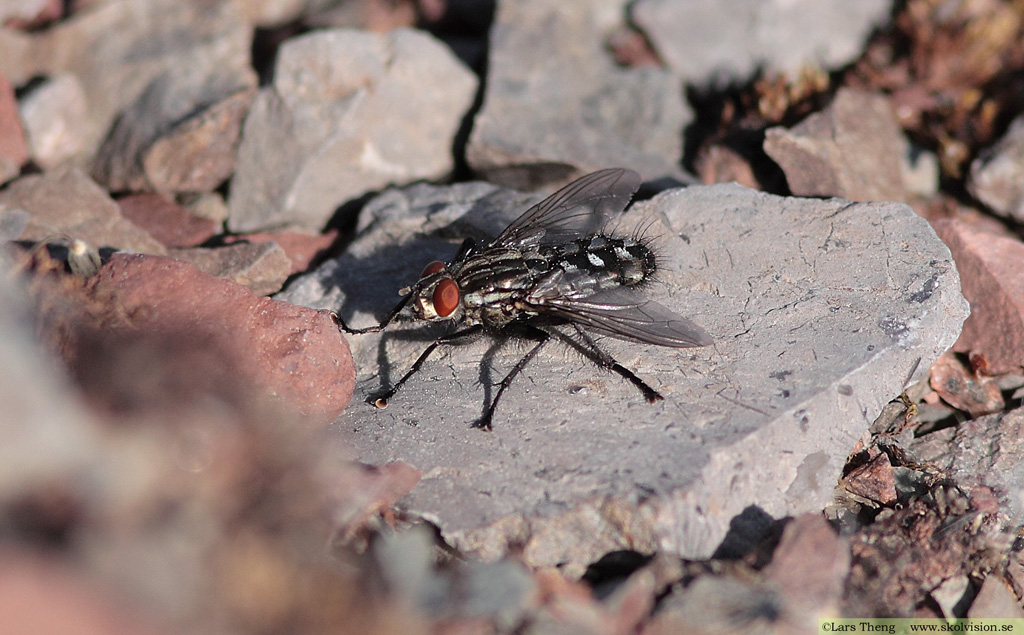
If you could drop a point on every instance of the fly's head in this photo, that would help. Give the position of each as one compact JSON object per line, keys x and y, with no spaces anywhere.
{"x":436,"y":296}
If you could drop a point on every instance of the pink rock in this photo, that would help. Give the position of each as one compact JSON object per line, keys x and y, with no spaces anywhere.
{"x":294,"y":353}
{"x":166,"y":221}
{"x":42,"y":595}
{"x":993,"y":282}
{"x":13,"y":146}
{"x":852,"y":149}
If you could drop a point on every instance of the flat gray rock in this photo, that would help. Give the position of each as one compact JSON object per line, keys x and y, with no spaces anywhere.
{"x":349,"y":112}
{"x":557,"y":106}
{"x":704,"y":41}
{"x":821,"y":312}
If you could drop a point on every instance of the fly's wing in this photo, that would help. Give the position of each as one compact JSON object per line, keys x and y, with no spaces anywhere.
{"x":614,"y":310}
{"x":581,"y":208}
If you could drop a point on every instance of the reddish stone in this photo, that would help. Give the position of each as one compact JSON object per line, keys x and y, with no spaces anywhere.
{"x":42,"y":595}
{"x":13,"y":145}
{"x":166,"y":221}
{"x":993,"y":282}
{"x":961,"y":388}
{"x":292,"y":352}
{"x":810,"y":564}
{"x":875,"y":480}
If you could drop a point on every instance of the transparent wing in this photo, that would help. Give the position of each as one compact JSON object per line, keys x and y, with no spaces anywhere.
{"x":615,"y":311}
{"x":581,"y":208}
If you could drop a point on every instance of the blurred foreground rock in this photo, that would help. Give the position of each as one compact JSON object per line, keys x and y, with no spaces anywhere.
{"x":704,"y":41}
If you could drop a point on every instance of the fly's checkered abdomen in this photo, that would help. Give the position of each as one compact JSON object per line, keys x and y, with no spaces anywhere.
{"x":626,"y":261}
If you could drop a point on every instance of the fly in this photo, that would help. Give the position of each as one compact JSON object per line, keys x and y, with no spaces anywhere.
{"x":554,"y":265}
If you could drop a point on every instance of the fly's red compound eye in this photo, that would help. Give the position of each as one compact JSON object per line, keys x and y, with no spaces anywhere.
{"x":446,"y":297}
{"x":432,"y":268}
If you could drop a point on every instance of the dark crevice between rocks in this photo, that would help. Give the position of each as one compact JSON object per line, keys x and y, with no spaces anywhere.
{"x":265,"y":44}
{"x":465,"y":29}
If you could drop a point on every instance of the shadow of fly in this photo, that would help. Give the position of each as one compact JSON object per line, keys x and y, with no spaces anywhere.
{"x":554,"y":265}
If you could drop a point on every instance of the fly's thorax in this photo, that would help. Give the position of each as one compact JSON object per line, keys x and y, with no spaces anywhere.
{"x":627,"y":261}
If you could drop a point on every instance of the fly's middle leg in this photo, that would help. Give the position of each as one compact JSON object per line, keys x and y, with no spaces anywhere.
{"x":381,"y":400}
{"x":605,"y":360}
{"x":532,"y":332}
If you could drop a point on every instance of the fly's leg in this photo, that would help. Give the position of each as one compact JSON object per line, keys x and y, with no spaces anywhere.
{"x":605,"y":360}
{"x":381,"y":400}
{"x":531,"y":332}
{"x":377,"y":327}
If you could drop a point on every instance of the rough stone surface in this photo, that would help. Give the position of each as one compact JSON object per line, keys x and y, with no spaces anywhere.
{"x":994,"y":285}
{"x":984,"y":452}
{"x":154,"y":37}
{"x":704,"y":40}
{"x":165,"y":220}
{"x":180,"y":135}
{"x":294,"y":353}
{"x":301,"y":248}
{"x":53,"y":114}
{"x":347,"y":114}
{"x":13,"y":147}
{"x":853,"y":149}
{"x":262,"y":267}
{"x":556,"y":105}
{"x":65,"y":201}
{"x":997,"y":177}
{"x":821,"y":312}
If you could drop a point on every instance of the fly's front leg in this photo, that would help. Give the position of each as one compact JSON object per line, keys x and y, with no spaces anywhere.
{"x":381,"y":400}
{"x":377,"y":327}
{"x":532,"y":332}
{"x":605,"y":360}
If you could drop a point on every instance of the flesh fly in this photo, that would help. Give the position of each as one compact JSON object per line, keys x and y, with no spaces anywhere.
{"x":554,"y":265}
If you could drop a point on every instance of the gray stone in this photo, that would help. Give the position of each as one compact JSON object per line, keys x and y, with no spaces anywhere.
{"x":153,"y":37}
{"x":821,"y":311}
{"x":704,"y":40}
{"x":180,"y":135}
{"x":52,"y":113}
{"x":65,"y":203}
{"x":556,"y":105}
{"x":997,"y":177}
{"x":853,"y":149}
{"x":349,"y":112}
{"x":983,"y":452}
{"x":262,"y":267}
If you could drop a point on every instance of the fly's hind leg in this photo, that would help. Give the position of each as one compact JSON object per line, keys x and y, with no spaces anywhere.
{"x":532,"y":332}
{"x":605,"y":360}
{"x":381,"y":399}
